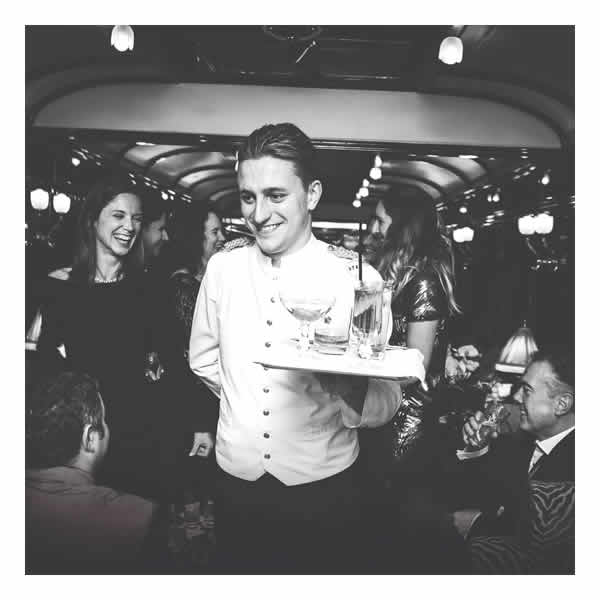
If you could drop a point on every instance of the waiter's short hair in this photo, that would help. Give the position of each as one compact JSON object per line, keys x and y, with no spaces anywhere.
{"x":285,"y":141}
{"x":58,"y":409}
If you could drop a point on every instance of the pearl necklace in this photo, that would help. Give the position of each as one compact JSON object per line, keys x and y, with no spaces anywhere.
{"x":101,"y":279}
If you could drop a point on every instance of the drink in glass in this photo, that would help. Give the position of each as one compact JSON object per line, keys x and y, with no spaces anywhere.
{"x":382,"y":334}
{"x":307,"y":310}
{"x":367,"y":316}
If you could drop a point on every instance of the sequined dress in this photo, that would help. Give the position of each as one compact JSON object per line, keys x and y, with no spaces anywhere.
{"x":421,"y":299}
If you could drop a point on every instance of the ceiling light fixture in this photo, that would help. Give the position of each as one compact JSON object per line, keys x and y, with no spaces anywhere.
{"x":122,"y":37}
{"x":451,"y":50}
{"x":356,"y":203}
{"x":545,"y":180}
{"x":463,"y":210}
{"x":375,"y":173}
{"x":75,"y":161}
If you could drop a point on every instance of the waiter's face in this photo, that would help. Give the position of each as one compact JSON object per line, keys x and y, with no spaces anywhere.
{"x":276,"y":204}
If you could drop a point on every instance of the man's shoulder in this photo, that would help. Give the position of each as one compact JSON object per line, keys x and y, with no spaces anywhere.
{"x":236,"y":244}
{"x":123,"y":507}
{"x":350,"y":258}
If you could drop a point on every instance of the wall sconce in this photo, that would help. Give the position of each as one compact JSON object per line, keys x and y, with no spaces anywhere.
{"x":122,"y":38}
{"x":451,"y":50}
{"x":40,"y":199}
{"x":541,"y":224}
{"x":61,"y":203}
{"x":463,"y":234}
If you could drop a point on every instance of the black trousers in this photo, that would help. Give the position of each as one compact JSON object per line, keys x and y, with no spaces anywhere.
{"x":266,"y":527}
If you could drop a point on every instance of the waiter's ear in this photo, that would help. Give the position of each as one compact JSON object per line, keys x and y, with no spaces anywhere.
{"x":315,"y":189}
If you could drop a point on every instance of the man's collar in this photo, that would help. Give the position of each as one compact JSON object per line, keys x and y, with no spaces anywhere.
{"x":292,"y":258}
{"x":547,"y":445}
{"x":66,"y":474}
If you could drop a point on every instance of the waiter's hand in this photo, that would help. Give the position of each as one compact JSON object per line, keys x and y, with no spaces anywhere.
{"x":204,"y":442}
{"x":351,"y":389}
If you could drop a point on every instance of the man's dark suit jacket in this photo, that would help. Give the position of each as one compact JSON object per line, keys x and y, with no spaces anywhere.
{"x":498,"y":482}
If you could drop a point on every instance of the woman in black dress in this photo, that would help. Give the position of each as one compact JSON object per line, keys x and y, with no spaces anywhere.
{"x":197,"y":235}
{"x":93,"y":321}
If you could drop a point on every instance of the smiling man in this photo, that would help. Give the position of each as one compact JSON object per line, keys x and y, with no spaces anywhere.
{"x":543,"y":449}
{"x":286,"y":440}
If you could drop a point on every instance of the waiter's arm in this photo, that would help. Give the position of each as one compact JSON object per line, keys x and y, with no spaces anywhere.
{"x":365,"y":401}
{"x":204,"y":338}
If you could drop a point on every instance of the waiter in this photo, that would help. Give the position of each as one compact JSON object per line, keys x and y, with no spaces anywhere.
{"x":286,"y":440}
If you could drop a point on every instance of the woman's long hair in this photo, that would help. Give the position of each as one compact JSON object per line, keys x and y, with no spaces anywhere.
{"x":188,"y":236}
{"x":414,"y":241}
{"x":101,"y":194}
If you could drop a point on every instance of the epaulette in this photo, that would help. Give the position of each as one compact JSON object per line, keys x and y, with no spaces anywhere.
{"x":342,"y":252}
{"x":237,"y":243}
{"x":62,"y":274}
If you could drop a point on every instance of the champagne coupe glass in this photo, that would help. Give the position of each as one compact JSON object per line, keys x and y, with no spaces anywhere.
{"x":308,"y":296}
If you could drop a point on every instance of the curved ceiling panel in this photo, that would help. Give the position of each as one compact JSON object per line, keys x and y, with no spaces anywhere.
{"x":325,"y":114}
{"x":172,"y":165}
{"x":197,"y":176}
{"x":396,"y":182}
{"x":437,"y":176}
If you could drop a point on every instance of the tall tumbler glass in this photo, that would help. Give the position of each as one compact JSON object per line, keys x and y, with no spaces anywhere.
{"x":381,"y":337}
{"x":367,"y":316}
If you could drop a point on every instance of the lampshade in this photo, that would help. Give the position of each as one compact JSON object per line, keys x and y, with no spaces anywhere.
{"x":544,"y":223}
{"x":517,"y":352}
{"x":375,"y":173}
{"x":40,"y":199}
{"x":527,"y":225}
{"x":451,"y":50}
{"x":122,"y":38}
{"x":61,"y":203}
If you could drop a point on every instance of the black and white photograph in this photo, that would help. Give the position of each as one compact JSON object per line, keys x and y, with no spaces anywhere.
{"x":299,"y":300}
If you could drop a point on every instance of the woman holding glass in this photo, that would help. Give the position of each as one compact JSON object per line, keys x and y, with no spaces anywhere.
{"x":93,"y":321}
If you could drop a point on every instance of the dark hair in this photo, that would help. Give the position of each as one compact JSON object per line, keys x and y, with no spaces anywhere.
{"x":153,"y":205}
{"x":58,"y":410}
{"x":414,"y":241}
{"x":562,"y":361}
{"x":286,"y":142}
{"x":99,"y":196}
{"x":188,"y":235}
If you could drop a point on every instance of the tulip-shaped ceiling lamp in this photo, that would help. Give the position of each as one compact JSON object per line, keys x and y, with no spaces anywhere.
{"x":40,"y":199}
{"x":122,"y":38}
{"x":451,"y":50}
{"x":517,"y":352}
